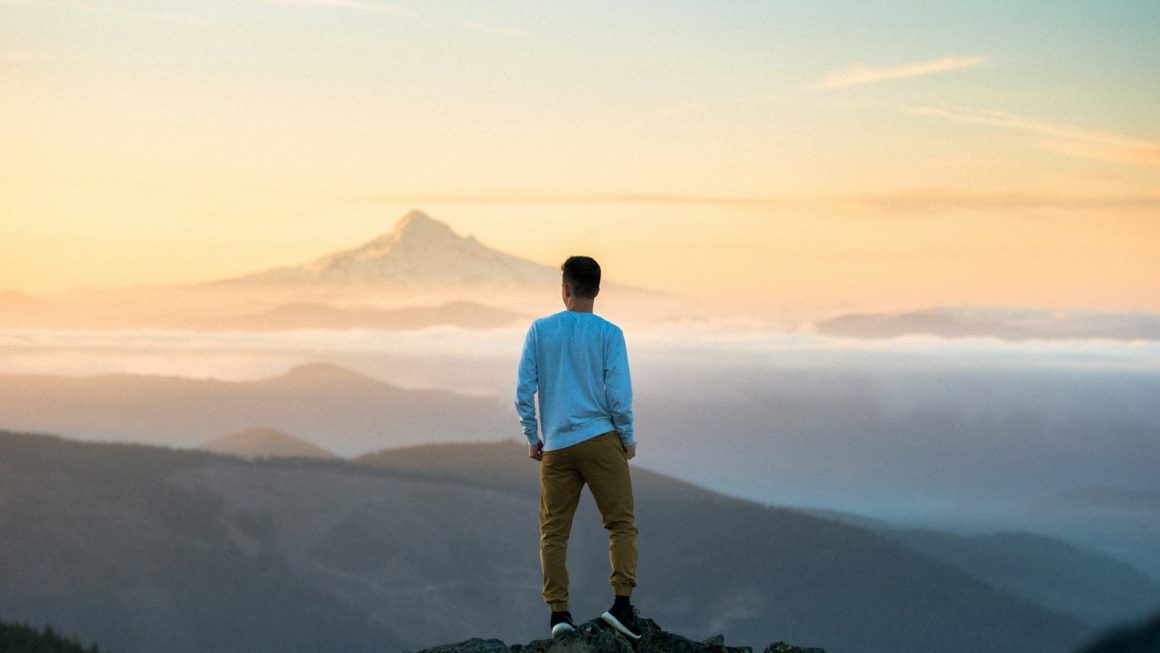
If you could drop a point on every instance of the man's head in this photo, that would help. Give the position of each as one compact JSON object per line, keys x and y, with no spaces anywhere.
{"x":582,"y":276}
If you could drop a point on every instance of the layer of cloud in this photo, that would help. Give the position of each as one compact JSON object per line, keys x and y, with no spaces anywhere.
{"x":861,"y":73}
{"x":931,"y":199}
{"x":1090,"y":143}
{"x":243,"y":356}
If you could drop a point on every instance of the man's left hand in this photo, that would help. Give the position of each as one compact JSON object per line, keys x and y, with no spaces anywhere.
{"x":536,"y":451}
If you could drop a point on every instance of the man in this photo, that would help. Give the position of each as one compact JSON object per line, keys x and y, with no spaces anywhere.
{"x":577,"y":364}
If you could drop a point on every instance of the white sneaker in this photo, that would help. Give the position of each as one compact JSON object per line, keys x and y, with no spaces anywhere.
{"x":623,"y":621}
{"x":561,"y":623}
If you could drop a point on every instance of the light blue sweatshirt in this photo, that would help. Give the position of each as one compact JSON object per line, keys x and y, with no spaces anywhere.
{"x":578,"y":366}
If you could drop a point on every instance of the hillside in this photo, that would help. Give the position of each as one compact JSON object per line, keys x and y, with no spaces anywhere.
{"x":157,"y":549}
{"x":1099,"y":590}
{"x":264,"y":443}
{"x":98,"y":540}
{"x":1122,"y":521}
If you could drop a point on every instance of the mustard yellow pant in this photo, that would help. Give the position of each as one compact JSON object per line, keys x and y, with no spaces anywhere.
{"x":601,"y":464}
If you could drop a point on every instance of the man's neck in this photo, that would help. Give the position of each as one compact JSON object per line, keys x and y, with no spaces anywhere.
{"x":580,"y":305}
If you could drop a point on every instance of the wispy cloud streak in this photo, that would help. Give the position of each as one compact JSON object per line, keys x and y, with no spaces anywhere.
{"x":922,"y":199}
{"x":861,"y":73}
{"x":1081,"y":141}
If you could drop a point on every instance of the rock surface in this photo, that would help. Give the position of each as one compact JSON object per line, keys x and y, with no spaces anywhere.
{"x":595,"y":637}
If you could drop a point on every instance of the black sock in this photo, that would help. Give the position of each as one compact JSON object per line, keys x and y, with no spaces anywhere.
{"x":621,"y":602}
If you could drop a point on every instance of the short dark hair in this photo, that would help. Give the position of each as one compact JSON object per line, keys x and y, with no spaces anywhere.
{"x":582,"y":273}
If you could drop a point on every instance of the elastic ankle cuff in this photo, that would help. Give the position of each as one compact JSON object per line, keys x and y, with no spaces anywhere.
{"x":558,"y":607}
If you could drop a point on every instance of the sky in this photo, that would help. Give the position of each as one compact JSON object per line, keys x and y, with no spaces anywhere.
{"x":869,"y":154}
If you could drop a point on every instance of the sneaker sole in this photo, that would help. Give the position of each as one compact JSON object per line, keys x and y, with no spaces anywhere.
{"x":615,"y":623}
{"x":560,"y":629}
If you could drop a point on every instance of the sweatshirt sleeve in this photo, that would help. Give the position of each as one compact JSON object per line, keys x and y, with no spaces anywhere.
{"x":618,"y":387}
{"x":526,"y":388}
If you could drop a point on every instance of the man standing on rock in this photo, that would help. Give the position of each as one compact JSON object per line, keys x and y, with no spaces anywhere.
{"x":577,"y":363}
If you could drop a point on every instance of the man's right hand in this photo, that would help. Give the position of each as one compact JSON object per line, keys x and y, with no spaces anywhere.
{"x":536,"y":451}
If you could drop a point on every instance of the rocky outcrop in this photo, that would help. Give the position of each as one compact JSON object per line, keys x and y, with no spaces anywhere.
{"x":595,"y":637}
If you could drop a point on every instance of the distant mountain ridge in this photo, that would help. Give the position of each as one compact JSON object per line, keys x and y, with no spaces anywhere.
{"x":338,"y":408}
{"x":419,"y":274}
{"x":265,"y":443}
{"x":419,"y":249}
{"x":1046,"y":571}
{"x":14,"y":300}
{"x":1007,"y":323}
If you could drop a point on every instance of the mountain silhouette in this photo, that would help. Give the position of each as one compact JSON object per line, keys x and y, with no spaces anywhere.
{"x":18,"y":309}
{"x":13,"y":300}
{"x":1049,"y":572}
{"x":264,"y":443}
{"x":345,"y":411}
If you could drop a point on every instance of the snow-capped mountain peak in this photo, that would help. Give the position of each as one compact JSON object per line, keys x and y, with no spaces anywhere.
{"x":415,"y":229}
{"x":418,"y":249}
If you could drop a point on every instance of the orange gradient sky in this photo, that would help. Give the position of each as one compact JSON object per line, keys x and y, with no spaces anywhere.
{"x":784,"y":154}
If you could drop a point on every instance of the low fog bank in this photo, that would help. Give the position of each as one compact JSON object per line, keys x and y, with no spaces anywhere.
{"x":483,"y":361}
{"x":973,"y":437}
{"x":974,"y":434}
{"x":1009,"y":323}
{"x":1064,"y":452}
{"x":922,"y":440}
